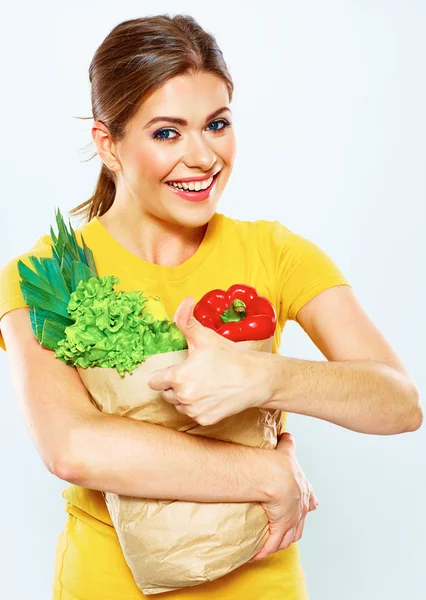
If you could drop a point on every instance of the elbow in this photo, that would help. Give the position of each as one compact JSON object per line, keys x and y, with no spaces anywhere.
{"x":63,"y":469}
{"x":406,"y":416}
{"x":414,"y":414}
{"x":66,"y":466}
{"x":416,"y":420}
{"x":72,"y":472}
{"x":58,"y":465}
{"x":70,"y":462}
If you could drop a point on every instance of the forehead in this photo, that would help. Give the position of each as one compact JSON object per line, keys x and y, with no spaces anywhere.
{"x":195,"y":95}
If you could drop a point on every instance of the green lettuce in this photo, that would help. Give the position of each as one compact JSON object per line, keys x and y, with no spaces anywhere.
{"x":111,"y":330}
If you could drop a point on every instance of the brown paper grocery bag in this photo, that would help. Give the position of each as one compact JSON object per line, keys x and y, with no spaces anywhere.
{"x":172,"y":544}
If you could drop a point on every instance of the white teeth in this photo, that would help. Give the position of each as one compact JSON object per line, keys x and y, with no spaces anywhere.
{"x":192,"y":185}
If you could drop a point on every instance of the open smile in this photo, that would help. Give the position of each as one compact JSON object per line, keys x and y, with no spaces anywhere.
{"x":193,"y":195}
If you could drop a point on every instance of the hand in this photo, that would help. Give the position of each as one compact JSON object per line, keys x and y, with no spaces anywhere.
{"x":291,"y":502}
{"x":218,"y":379}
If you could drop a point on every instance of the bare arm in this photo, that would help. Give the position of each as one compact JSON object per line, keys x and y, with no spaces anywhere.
{"x":365,"y":386}
{"x":110,"y":453}
{"x":140,"y":459}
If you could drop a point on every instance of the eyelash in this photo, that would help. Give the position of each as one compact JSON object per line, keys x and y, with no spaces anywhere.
{"x":156,"y":137}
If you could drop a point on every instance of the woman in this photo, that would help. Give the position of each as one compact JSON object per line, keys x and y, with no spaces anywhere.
{"x":160,"y":97}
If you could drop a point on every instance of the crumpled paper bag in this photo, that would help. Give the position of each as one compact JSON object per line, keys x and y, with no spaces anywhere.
{"x":172,"y":544}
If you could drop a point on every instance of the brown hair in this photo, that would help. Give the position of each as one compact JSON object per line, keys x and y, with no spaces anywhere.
{"x":136,"y":58}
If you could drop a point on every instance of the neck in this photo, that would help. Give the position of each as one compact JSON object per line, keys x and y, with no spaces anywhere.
{"x":152,"y":239}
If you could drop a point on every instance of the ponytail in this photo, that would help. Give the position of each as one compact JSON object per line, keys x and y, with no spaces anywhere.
{"x":102,"y":199}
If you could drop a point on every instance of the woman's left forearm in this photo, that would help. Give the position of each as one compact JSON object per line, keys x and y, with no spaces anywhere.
{"x":361,"y":395}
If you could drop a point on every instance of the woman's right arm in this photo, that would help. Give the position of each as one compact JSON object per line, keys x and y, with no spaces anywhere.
{"x":82,"y":445}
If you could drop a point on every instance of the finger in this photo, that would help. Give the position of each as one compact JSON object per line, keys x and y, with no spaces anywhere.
{"x":170,"y":396}
{"x":270,"y":546}
{"x":313,"y":502}
{"x":299,"y":529}
{"x":161,"y":379}
{"x":287,"y":539}
{"x":182,"y":409}
{"x":287,"y":438}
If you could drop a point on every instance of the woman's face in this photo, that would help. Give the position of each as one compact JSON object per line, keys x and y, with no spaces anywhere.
{"x":191,"y":138}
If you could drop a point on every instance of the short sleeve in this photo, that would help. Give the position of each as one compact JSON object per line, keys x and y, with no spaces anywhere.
{"x":10,"y":289}
{"x":303,"y":271}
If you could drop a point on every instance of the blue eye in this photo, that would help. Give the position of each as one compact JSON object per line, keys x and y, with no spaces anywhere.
{"x":224,"y":122}
{"x":161,"y":135}
{"x":158,"y":135}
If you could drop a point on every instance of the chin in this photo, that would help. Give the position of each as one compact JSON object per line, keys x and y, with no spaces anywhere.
{"x":195,"y":216}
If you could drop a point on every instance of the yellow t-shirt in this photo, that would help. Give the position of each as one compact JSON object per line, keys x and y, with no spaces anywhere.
{"x":283,"y":266}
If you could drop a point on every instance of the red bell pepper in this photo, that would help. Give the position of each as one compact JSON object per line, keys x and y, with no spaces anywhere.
{"x":238,"y":314}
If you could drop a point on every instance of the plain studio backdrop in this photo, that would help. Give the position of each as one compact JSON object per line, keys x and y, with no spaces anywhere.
{"x":329,"y":113}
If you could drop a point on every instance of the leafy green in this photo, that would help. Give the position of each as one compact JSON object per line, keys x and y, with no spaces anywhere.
{"x":111,"y":330}
{"x":47,"y":287}
{"x":83,"y":318}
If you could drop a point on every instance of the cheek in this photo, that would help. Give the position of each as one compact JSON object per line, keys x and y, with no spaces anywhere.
{"x":228,"y":149}
{"x":152,"y":164}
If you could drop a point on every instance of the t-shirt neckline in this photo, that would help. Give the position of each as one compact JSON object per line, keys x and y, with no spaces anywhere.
{"x":150,"y":270}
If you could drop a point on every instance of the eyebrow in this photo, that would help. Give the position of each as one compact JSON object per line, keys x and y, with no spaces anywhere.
{"x":182,"y":122}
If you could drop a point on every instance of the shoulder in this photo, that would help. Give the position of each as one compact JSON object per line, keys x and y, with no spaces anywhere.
{"x":9,"y":269}
{"x":10,"y":290}
{"x":11,"y":296}
{"x":41,"y":248}
{"x":273,"y":233}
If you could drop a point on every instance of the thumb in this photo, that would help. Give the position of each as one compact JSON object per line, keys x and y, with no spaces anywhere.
{"x":193,"y":330}
{"x":286,"y":441}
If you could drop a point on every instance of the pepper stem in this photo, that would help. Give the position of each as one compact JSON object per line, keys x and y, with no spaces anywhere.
{"x":235,"y":312}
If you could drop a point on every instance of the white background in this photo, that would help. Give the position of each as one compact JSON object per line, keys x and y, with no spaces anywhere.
{"x":329,"y":111}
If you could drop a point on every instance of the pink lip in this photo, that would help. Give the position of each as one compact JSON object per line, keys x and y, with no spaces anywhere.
{"x":195,"y":196}
{"x":201,"y":178}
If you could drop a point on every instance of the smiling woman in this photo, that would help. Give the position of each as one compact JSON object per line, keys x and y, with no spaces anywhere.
{"x":163,"y":130}
{"x":159,"y":186}
{"x":161,"y":95}
{"x":168,"y":180}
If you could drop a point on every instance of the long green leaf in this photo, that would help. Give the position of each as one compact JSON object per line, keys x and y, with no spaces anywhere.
{"x":39,"y":317}
{"x":56,"y":256}
{"x":38,"y":267}
{"x":53,"y":236}
{"x":38,"y":298}
{"x":73,"y":238}
{"x":89,"y":258}
{"x":65,"y":236}
{"x":52,"y":333}
{"x":42,"y":314}
{"x":79,"y":271}
{"x":34,"y":324}
{"x":66,"y":265}
{"x":47,"y":286}
{"x":30,"y":276}
{"x":56,"y":279}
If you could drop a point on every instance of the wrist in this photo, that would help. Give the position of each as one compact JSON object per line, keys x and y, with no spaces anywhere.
{"x":276,"y":378}
{"x":269,"y":475}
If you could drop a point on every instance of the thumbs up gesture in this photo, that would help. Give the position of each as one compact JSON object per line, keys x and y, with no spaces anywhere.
{"x":218,"y":378}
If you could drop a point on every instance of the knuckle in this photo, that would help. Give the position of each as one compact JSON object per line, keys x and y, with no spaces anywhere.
{"x":203,"y":420}
{"x":192,"y":412}
{"x":185,"y":396}
{"x":285,"y":544}
{"x":174,"y":375}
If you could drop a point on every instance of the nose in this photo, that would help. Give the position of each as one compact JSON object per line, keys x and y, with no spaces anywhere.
{"x":199,"y":153}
